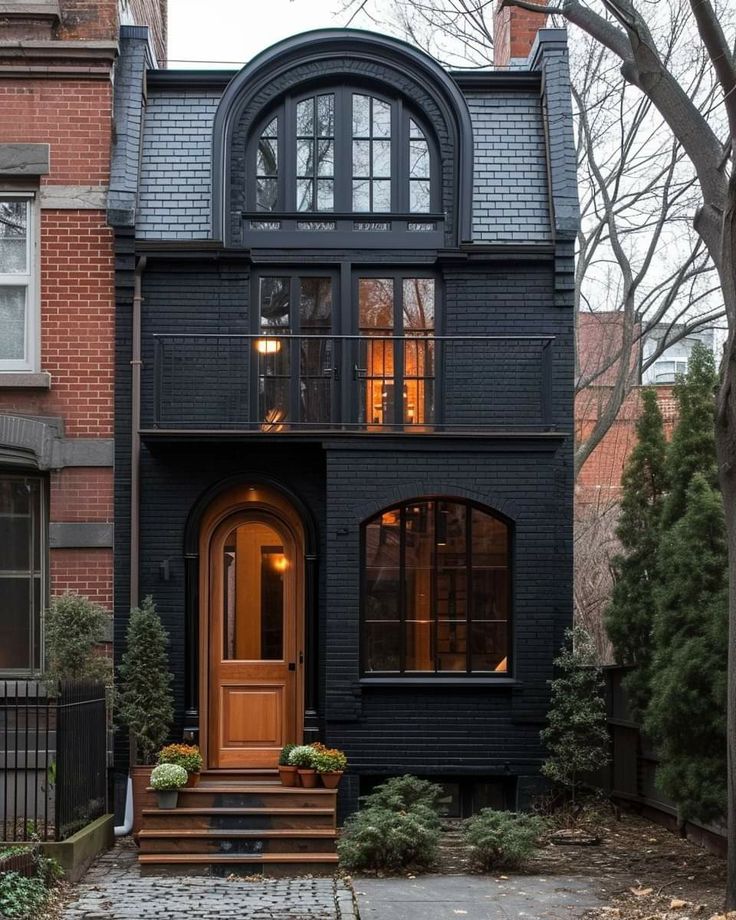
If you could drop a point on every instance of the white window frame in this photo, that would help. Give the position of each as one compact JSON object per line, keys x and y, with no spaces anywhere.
{"x":31,"y":360}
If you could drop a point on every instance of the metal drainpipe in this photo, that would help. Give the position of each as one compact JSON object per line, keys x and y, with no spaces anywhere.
{"x":135,"y":439}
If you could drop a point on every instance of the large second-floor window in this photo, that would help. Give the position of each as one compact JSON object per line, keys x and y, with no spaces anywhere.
{"x":343,"y":150}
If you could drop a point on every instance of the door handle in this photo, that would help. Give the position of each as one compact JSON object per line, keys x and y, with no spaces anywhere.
{"x":292,"y":666}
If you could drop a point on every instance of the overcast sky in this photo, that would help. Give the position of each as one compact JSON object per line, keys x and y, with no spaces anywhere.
{"x":230,"y":32}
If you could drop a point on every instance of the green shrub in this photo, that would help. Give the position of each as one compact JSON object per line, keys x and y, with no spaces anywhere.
{"x":407,"y":793}
{"x":284,"y":755}
{"x":22,"y":898}
{"x":502,"y":838}
{"x":379,"y":838}
{"x":74,"y":630}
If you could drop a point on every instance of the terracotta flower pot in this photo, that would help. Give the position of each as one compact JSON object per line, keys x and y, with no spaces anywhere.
{"x":167,"y":798}
{"x":288,"y":775}
{"x":332,"y":779}
{"x":192,"y":780}
{"x":309,"y":778}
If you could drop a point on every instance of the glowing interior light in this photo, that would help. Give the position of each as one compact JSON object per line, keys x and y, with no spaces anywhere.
{"x":280,"y":563}
{"x":268,"y":346}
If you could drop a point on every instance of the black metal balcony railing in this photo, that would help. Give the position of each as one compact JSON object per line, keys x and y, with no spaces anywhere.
{"x":414,"y":383}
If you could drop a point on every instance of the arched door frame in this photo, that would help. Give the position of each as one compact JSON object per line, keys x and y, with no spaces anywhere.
{"x":249,"y":486}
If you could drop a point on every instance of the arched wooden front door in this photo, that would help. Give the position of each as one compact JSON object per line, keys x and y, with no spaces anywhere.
{"x":252,"y":630}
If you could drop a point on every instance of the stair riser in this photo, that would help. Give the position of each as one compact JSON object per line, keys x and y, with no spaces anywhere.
{"x":274,"y":870}
{"x":203,"y":798}
{"x":250,"y":847}
{"x":235,"y":776}
{"x":172,"y":820}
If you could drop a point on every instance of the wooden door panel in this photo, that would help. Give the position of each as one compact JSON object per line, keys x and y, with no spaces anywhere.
{"x":254,"y":633}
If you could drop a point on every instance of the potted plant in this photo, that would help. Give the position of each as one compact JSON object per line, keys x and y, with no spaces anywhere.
{"x":145,"y":701}
{"x":287,"y":771}
{"x":166,"y":780}
{"x":185,"y":755}
{"x":330,"y":764}
{"x":302,"y":757}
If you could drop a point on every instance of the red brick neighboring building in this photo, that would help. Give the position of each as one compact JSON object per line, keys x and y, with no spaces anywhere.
{"x":57,"y":322}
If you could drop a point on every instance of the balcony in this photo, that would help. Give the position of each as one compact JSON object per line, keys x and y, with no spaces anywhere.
{"x":415,"y":384}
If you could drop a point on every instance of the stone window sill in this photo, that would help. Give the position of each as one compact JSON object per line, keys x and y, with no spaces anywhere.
{"x":439,"y":683}
{"x":16,"y":380}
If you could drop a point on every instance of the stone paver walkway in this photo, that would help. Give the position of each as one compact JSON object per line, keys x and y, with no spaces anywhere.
{"x":113,"y":889}
{"x":474,"y":897}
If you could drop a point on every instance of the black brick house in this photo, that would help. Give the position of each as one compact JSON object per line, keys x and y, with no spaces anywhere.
{"x":344,"y":402}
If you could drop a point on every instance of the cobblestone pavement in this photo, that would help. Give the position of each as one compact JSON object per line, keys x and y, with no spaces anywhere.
{"x":113,"y":889}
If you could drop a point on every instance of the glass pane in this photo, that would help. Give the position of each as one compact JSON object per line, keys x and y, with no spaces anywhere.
{"x":326,"y":116}
{"x":382,"y":195}
{"x":13,"y":236}
{"x":419,"y":197}
{"x":16,"y":617}
{"x":419,"y":645}
{"x":20,"y":516}
{"x":415,"y":130}
{"x":382,"y":159}
{"x":418,"y":601}
{"x":451,"y":646}
{"x":325,"y":158}
{"x":361,"y":116}
{"x":12,"y":323}
{"x":266,"y":194}
{"x":254,"y":569}
{"x":325,"y":195}
{"x":382,"y":557}
{"x":418,"y":160}
{"x":315,"y":304}
{"x":304,"y":155}
{"x":267,"y":157}
{"x":275,"y":303}
{"x":305,"y":118}
{"x":361,"y":158}
{"x":361,"y":195}
{"x":418,"y":303}
{"x":382,"y":646}
{"x":490,"y":541}
{"x":452,"y":572}
{"x":304,"y":194}
{"x":488,"y":646}
{"x":15,"y":543}
{"x":381,"y":118}
{"x":376,"y":304}
{"x":273,"y":396}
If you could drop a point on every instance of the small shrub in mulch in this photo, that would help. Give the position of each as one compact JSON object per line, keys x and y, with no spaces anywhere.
{"x":26,"y":881}
{"x":502,"y":839}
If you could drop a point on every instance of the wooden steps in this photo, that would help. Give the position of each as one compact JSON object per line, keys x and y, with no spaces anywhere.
{"x":233,"y":824}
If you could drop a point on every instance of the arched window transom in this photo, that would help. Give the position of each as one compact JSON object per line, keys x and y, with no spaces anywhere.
{"x":343,"y":150}
{"x":436,"y":590}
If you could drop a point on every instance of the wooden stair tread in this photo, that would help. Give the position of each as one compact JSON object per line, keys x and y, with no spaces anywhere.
{"x":237,"y":858}
{"x":214,"y":810}
{"x":224,"y":832}
{"x":254,"y":787}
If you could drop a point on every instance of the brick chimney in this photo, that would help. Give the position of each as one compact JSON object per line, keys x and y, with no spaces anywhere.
{"x":514,"y":31}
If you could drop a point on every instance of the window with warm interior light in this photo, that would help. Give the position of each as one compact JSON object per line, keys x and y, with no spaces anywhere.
{"x":435,"y":590}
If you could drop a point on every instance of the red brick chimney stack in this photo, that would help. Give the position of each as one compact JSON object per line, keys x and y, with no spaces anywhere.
{"x":514,"y":33}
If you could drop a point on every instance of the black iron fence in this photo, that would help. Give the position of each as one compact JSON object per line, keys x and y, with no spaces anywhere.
{"x":371,"y":382}
{"x":53,"y":773}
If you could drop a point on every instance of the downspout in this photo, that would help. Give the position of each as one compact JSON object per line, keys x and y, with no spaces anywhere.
{"x":135,"y":438}
{"x":122,"y":830}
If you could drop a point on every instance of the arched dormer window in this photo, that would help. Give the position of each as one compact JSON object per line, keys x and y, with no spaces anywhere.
{"x":346,"y":151}
{"x":436,"y":590}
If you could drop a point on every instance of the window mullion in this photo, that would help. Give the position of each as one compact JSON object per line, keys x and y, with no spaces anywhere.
{"x":287,"y":152}
{"x":470,"y":601}
{"x":402,"y":589}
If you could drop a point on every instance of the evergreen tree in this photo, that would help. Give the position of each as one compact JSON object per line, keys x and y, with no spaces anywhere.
{"x":693,"y":445}
{"x":631,"y":611}
{"x":577,"y":731}
{"x":146,"y":700}
{"x":74,"y":631}
{"x":686,"y":717}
